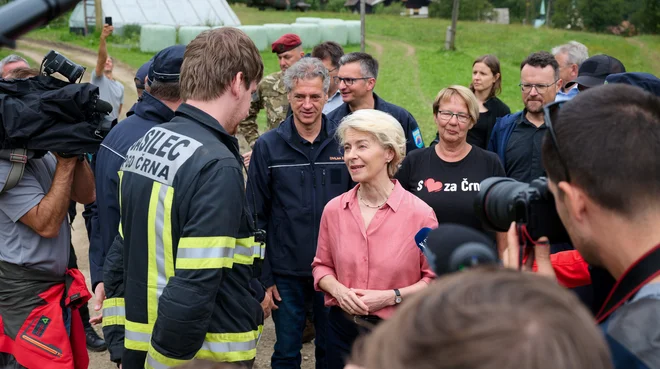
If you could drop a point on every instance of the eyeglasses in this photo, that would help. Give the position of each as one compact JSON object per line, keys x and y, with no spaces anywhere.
{"x":348,"y":81}
{"x":540,"y":87}
{"x":550,"y":113}
{"x":446,"y":115}
{"x":332,"y":70}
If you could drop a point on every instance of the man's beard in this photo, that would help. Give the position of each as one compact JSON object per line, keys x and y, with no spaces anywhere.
{"x":535,"y":110}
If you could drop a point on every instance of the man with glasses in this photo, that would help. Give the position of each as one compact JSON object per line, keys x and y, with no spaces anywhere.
{"x":356,"y":80}
{"x":517,"y":138}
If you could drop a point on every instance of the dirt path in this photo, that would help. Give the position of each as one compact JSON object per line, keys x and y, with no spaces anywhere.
{"x":123,"y":73}
{"x":378,"y":48}
{"x":414,"y":66}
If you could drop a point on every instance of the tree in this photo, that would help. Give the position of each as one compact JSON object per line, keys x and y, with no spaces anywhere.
{"x":647,"y":16}
{"x":597,"y":15}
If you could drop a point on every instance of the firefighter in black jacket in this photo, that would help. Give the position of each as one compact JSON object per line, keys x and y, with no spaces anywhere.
{"x":189,"y":245}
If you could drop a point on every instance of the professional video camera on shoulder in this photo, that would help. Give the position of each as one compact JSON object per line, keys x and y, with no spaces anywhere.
{"x":532,"y":206}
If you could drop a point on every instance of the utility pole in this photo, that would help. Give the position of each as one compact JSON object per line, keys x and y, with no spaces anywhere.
{"x":363,"y":28}
{"x":548,"y":18}
{"x":98,"y":9}
{"x":450,"y":37}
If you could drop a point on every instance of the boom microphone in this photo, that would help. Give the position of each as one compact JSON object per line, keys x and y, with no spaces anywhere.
{"x":453,"y":247}
{"x":20,"y":16}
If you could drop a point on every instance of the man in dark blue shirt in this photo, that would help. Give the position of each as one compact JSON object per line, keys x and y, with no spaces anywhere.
{"x":356,"y":80}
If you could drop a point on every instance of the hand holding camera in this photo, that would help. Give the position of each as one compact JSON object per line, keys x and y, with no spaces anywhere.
{"x":107,"y":31}
{"x":523,"y":257}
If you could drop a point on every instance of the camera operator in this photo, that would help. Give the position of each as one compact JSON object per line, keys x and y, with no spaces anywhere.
{"x":110,"y":89}
{"x":608,"y":197}
{"x":10,"y":62}
{"x":34,"y":258}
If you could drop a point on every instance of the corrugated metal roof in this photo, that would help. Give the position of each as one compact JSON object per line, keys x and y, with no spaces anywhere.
{"x":166,"y":12}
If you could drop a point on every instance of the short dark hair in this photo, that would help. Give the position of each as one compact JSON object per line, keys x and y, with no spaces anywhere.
{"x":487,"y":318}
{"x":609,"y":138}
{"x":541,"y":59}
{"x":329,"y":50}
{"x":368,"y":65}
{"x":167,"y":91}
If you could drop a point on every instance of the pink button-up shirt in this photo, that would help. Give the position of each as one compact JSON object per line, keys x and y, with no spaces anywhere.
{"x":381,"y":257}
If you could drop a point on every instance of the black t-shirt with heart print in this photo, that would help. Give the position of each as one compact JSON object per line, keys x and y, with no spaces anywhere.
{"x":449,"y":188}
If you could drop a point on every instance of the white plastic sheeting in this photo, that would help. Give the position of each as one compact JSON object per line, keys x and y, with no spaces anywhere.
{"x":164,"y":12}
{"x":353,"y":28}
{"x":276,"y":30}
{"x":258,"y":35}
{"x":309,"y":33}
{"x":188,"y":33}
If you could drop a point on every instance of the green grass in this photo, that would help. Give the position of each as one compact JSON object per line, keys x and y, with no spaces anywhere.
{"x":413,"y":81}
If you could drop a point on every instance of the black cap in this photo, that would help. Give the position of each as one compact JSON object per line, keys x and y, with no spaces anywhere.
{"x":594,"y":70}
{"x":166,"y":66}
{"x":142,"y":73}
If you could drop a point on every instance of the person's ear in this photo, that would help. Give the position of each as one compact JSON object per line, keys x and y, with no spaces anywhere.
{"x":236,"y":84}
{"x":574,"y":199}
{"x":497,"y":76}
{"x":560,"y":84}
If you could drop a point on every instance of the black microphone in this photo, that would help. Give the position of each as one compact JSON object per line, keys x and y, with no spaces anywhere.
{"x":103,"y":106}
{"x":454,"y":247}
{"x":18,"y":17}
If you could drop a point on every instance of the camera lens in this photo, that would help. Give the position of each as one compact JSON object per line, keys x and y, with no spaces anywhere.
{"x":495,"y":203}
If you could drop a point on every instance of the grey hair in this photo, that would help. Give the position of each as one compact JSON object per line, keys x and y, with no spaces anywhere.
{"x":306,"y":68}
{"x":576,"y":52}
{"x":13,"y":58}
{"x":368,"y":65}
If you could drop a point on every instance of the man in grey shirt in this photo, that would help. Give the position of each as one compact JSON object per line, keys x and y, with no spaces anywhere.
{"x":34,"y":231}
{"x":110,"y":89}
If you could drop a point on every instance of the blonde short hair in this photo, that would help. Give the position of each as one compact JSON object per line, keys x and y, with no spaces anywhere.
{"x":464,"y":93}
{"x":383,"y":127}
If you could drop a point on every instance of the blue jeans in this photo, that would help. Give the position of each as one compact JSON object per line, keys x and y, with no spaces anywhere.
{"x":290,"y":318}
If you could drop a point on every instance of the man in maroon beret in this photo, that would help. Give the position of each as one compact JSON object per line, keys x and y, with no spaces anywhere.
{"x":271,"y":94}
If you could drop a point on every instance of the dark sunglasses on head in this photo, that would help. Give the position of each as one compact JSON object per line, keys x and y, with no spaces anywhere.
{"x":551,"y":111}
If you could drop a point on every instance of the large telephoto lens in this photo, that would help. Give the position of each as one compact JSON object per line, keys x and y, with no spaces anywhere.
{"x":495,"y":203}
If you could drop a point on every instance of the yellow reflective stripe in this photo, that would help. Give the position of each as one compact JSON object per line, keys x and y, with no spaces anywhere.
{"x":230,"y":347}
{"x":205,"y":252}
{"x":137,"y":336}
{"x":152,"y":268}
{"x":206,"y":242}
{"x":247,"y":250}
{"x":156,"y":360}
{"x":120,"y":174}
{"x":167,"y":234}
{"x":113,"y":311}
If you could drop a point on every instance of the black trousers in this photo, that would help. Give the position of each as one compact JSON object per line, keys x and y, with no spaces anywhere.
{"x":341,"y":335}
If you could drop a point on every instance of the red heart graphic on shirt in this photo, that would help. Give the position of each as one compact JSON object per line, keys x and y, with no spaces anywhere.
{"x":433,"y":186}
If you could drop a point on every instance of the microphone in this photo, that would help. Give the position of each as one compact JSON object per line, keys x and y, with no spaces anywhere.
{"x":103,"y":106}
{"x":453,"y":247}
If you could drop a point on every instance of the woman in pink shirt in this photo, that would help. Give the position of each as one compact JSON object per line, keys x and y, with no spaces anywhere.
{"x":367,"y":261}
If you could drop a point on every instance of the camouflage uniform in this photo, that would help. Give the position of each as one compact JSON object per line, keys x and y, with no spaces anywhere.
{"x":270,"y":95}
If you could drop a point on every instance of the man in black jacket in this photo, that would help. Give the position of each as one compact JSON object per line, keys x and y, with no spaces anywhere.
{"x":356,"y":80}
{"x":156,"y":106}
{"x":295,"y":170}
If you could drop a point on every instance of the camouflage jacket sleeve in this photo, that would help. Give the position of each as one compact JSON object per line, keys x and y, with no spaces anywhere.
{"x":249,"y":128}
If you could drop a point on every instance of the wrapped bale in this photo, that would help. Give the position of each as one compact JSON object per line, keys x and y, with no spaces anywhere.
{"x":334,"y":30}
{"x":353,"y":28}
{"x":308,"y":20}
{"x":276,"y":30}
{"x":188,"y":33}
{"x":258,"y":35}
{"x":309,"y":33}
{"x":156,"y":37}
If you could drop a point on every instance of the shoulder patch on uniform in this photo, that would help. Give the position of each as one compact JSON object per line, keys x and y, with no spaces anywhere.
{"x":159,"y":154}
{"x":417,"y":136}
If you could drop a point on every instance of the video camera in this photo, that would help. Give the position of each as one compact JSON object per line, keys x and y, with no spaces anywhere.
{"x":55,"y":62}
{"x":503,"y":200}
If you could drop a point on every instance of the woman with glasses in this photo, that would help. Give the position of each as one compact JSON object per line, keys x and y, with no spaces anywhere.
{"x":486,"y":85}
{"x":366,"y":260}
{"x":446,"y":176}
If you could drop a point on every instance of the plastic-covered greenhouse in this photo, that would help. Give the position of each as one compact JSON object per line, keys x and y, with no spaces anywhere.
{"x":164,"y":12}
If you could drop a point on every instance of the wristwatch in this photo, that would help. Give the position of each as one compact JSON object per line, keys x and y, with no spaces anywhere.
{"x":397,"y":297}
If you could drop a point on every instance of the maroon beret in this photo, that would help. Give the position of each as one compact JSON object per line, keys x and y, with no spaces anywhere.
{"x":285,"y":43}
